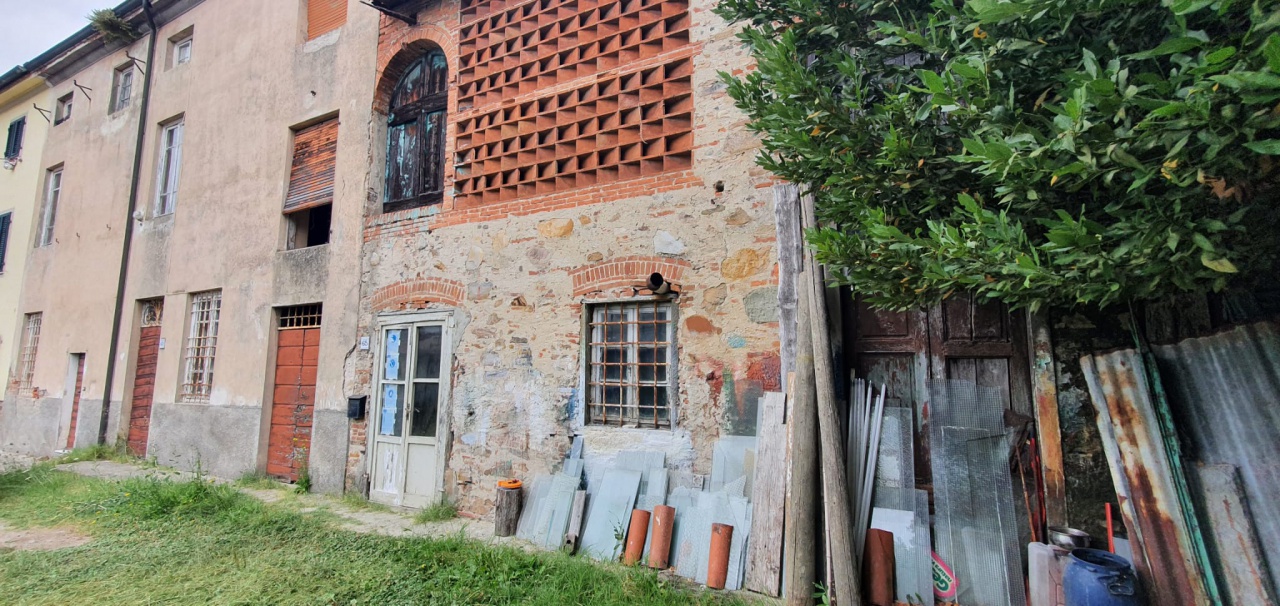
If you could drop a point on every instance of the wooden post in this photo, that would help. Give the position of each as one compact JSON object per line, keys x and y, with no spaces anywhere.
{"x":800,"y":529}
{"x":507,"y":511}
{"x":575,"y":520}
{"x":835,"y":484}
{"x":1044,"y":387}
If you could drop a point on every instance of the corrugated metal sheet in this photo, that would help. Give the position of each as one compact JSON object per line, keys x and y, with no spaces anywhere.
{"x":1225,"y":394}
{"x":1143,"y":476}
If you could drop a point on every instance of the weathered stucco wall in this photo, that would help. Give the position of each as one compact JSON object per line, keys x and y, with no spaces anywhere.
{"x":520,"y":278}
{"x":252,"y":78}
{"x":20,"y":188}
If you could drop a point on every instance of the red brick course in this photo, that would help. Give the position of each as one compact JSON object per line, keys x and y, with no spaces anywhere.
{"x":417,"y":293}
{"x":625,"y":271}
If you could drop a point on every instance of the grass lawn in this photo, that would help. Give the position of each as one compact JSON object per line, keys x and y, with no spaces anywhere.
{"x":165,"y":542}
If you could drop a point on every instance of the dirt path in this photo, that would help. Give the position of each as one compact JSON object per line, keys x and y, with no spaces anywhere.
{"x":39,"y":539}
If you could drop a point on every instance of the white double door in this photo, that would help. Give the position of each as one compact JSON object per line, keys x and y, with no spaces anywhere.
{"x":408,"y":420}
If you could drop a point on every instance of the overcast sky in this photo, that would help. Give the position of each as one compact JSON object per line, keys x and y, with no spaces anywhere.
{"x":30,"y":27}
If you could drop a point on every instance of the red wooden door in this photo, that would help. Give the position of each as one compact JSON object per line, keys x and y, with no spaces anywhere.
{"x":144,"y":379}
{"x":293,"y":402}
{"x":75,"y":401}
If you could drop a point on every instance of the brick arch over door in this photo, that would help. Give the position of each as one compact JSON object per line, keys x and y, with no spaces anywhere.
{"x":417,"y":42}
{"x":625,"y":271}
{"x":418,"y":293}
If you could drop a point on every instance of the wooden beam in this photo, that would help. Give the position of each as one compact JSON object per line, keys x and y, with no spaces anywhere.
{"x":800,"y":530}
{"x":1044,"y":387}
{"x":786,"y":210}
{"x":835,"y":486}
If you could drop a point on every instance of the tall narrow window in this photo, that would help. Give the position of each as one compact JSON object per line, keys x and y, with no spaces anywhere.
{"x":202,"y":344}
{"x":30,"y":342}
{"x":13,"y":141}
{"x":49,"y":210}
{"x":62,"y":112}
{"x":309,"y":204}
{"x":6,"y":220}
{"x":629,"y":377}
{"x":169,"y":165}
{"x":122,"y":88}
{"x":415,"y":134}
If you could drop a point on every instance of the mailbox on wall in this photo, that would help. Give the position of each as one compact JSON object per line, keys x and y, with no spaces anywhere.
{"x":355,"y":407}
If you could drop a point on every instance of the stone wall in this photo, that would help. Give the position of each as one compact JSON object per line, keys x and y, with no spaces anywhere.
{"x":519,"y":273}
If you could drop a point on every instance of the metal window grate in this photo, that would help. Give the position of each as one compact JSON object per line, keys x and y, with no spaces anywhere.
{"x":629,"y":378}
{"x":152,"y":312}
{"x":300,"y":316}
{"x":30,"y":342}
{"x":202,"y":344}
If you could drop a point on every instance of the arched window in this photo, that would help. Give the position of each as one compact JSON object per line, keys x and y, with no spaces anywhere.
{"x":415,"y":133}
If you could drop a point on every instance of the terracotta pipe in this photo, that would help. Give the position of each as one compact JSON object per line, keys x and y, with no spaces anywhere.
{"x":664,"y":519}
{"x":635,"y":536}
{"x":718,"y":562}
{"x":878,"y":567}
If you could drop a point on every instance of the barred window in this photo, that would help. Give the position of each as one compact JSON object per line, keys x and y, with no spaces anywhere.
{"x":30,"y":341}
{"x":630,"y":379}
{"x":202,"y":344}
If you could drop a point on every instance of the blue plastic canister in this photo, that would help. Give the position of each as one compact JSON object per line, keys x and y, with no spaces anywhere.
{"x":1099,"y":578}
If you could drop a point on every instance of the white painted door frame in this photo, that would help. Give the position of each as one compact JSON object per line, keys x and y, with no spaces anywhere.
{"x":389,"y":447}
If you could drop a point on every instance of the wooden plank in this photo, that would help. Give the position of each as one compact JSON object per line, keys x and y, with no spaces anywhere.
{"x":786,"y":199}
{"x":764,"y":556}
{"x":1044,"y":385}
{"x":846,"y":588}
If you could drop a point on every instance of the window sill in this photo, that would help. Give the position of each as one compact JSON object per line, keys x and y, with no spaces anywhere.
{"x":592,"y":427}
{"x":412,"y":203}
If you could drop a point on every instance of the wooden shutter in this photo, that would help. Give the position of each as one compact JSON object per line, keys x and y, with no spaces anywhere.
{"x":315,"y":152}
{"x":324,"y":16}
{"x":13,"y":143}
{"x":5,"y":220}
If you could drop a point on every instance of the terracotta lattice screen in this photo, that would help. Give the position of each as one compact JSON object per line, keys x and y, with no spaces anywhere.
{"x":560,"y":94}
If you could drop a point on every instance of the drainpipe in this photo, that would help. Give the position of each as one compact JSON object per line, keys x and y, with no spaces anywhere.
{"x":117,"y":318}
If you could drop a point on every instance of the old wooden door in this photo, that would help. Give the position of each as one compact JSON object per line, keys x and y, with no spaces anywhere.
{"x":294,"y":397}
{"x":409,"y":420}
{"x":959,"y":339}
{"x":77,"y":362}
{"x":144,"y":378}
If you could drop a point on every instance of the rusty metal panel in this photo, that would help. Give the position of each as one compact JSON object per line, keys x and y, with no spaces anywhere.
{"x":1143,"y":477}
{"x":1224,"y":390}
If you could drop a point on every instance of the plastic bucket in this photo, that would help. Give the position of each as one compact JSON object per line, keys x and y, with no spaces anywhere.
{"x":1099,"y":578}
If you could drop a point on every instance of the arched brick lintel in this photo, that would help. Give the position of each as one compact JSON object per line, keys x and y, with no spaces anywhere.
{"x":416,"y":42}
{"x":417,"y":293}
{"x":625,"y":271}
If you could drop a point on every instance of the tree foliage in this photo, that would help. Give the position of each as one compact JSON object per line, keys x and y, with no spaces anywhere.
{"x":1037,"y":152}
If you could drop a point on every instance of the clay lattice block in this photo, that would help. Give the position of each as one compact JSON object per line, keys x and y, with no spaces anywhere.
{"x":593,"y":94}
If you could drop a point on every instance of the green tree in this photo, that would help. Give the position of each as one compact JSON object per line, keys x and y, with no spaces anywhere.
{"x":1037,"y":152}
